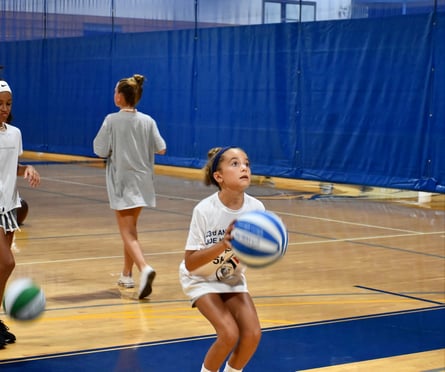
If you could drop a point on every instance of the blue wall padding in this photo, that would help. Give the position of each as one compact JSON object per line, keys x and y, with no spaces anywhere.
{"x":356,"y":101}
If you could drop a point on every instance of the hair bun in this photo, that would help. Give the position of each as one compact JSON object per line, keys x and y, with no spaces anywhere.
{"x":139,"y":79}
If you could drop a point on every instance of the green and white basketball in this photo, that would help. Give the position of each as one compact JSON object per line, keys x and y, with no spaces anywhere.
{"x":24,"y":300}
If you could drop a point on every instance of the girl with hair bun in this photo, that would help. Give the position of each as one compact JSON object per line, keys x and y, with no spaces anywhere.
{"x":128,"y":140}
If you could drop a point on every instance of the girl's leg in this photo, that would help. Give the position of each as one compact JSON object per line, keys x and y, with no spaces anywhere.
{"x":7,"y":262}
{"x":215,"y":310}
{"x":243,"y":311}
{"x":128,"y":263}
{"x":127,"y":221}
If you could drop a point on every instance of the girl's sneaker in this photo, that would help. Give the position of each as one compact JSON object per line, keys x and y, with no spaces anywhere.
{"x":6,"y":336}
{"x":125,"y":281}
{"x":2,"y":342}
{"x":146,"y":280}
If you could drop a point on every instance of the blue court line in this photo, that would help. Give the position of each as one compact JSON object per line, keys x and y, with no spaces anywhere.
{"x":400,"y":295}
{"x":282,"y":349}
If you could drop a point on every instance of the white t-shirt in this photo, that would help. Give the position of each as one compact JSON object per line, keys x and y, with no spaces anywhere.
{"x":225,"y":273}
{"x":10,"y":149}
{"x":129,"y":141}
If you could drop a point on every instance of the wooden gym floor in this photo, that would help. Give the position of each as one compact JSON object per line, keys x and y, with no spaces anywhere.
{"x":361,"y":287}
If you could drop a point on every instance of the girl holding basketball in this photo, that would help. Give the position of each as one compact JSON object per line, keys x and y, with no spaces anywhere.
{"x":210,"y":273}
{"x":10,"y":150}
{"x":129,"y":139}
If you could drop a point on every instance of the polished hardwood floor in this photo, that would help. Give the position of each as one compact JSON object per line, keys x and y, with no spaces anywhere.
{"x":352,"y":252}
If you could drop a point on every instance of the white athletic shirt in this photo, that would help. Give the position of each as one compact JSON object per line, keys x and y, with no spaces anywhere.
{"x":10,"y":149}
{"x":224,"y":274}
{"x":129,"y":141}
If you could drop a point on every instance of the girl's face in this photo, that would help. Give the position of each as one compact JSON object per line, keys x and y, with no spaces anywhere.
{"x":5,"y":106}
{"x":117,"y":98}
{"x":234,"y":170}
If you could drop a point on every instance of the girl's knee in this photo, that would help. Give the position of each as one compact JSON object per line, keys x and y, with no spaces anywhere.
{"x":229,"y":337}
{"x":7,"y":266}
{"x":252,"y":336}
{"x":11,"y":264}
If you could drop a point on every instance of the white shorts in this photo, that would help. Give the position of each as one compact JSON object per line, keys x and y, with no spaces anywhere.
{"x":195,"y":286}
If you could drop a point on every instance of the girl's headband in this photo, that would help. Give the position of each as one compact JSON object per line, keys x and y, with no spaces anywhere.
{"x":218,"y":156}
{"x":4,"y":87}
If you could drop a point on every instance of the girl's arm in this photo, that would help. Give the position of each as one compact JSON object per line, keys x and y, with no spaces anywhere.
{"x":198,"y":258}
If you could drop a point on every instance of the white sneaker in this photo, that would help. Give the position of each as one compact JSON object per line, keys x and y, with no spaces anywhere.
{"x":146,"y":280}
{"x":125,"y":281}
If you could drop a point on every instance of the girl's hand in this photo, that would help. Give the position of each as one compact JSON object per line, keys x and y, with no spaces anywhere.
{"x":32,"y":176}
{"x":228,"y":235}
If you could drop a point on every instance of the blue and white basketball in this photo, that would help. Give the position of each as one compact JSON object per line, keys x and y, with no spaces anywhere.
{"x":259,"y":238}
{"x":24,"y":300}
